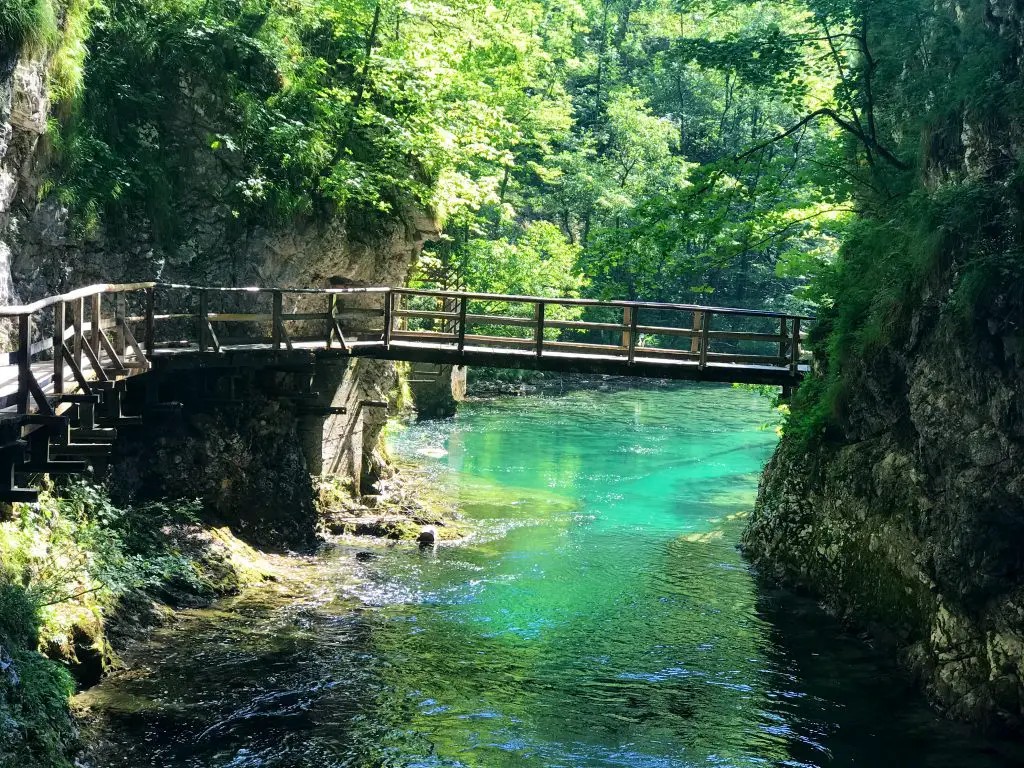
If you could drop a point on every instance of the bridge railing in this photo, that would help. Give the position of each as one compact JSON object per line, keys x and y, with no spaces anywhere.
{"x":86,"y":338}
{"x":649,"y":330}
{"x":82,"y":337}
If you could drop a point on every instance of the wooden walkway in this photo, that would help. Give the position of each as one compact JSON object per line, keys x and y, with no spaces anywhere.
{"x":61,"y":389}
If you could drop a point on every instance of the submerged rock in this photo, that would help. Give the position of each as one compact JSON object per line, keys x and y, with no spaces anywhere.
{"x":428,"y":536}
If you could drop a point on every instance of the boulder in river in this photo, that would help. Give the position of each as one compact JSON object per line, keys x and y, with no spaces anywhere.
{"x":428,"y":536}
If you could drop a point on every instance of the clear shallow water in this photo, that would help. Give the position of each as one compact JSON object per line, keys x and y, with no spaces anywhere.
{"x":602,"y":617}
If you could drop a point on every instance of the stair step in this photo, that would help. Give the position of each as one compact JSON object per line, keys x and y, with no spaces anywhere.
{"x":14,"y":447}
{"x":45,"y":419}
{"x":120,"y":421}
{"x":24,"y":495}
{"x":53,"y":468}
{"x":93,"y":435}
{"x":81,"y":449}
{"x":75,"y":398}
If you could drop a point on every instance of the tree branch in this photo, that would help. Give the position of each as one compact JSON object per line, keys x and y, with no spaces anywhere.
{"x":843,"y":123}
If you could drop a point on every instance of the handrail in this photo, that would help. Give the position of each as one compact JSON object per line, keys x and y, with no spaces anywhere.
{"x":90,"y":290}
{"x":259,"y":289}
{"x":78,"y":293}
{"x":619,"y":303}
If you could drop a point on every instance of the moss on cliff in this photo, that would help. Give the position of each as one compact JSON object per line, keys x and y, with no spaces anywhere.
{"x":80,"y":578}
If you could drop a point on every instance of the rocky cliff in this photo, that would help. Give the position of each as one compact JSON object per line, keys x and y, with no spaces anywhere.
{"x":897,"y":495}
{"x":913,"y":524}
{"x":251,"y":469}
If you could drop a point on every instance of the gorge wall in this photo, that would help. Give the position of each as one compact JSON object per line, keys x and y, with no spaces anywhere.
{"x":252,"y":468}
{"x":897,"y":493}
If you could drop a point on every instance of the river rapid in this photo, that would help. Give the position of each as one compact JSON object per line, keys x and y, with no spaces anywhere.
{"x":601,"y":616}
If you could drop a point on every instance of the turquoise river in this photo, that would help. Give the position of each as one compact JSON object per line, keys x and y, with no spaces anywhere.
{"x":601,"y":616}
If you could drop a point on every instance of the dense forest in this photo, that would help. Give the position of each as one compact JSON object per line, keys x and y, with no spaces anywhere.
{"x":855,"y":159}
{"x":663,"y":150}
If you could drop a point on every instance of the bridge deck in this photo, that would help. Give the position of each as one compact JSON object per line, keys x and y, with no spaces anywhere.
{"x":482,"y":356}
{"x":60,"y":393}
{"x":627,"y":338}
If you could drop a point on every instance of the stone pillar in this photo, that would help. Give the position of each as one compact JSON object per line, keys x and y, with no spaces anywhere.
{"x":437,"y":389}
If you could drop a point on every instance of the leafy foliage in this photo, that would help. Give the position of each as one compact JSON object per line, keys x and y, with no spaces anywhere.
{"x":27,"y":24}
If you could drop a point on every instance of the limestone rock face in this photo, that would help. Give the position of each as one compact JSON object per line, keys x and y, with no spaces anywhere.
{"x":913,"y":523}
{"x":264,"y":492}
{"x":908,"y":517}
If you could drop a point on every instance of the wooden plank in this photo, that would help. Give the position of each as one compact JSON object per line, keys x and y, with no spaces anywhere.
{"x":287,"y":340}
{"x":539,"y":331}
{"x":424,"y":336}
{"x":212,"y":335}
{"x":390,"y":305}
{"x":76,"y":369}
{"x":704,"y":341}
{"x":24,"y":365}
{"x":107,"y":347}
{"x":331,"y":322}
{"x":77,"y":316}
{"x":794,"y":364}
{"x":514,"y":299}
{"x":477,"y":319}
{"x":275,"y":326}
{"x":120,"y":344}
{"x":94,"y":361}
{"x":140,"y":355}
{"x":341,"y":336}
{"x":770,"y":338}
{"x":150,"y":320}
{"x":42,"y":404}
{"x":627,"y":322}
{"x":634,"y":316}
{"x":463,"y":305}
{"x":698,"y":321}
{"x":35,"y":348}
{"x":425,"y":314}
{"x":59,"y":322}
{"x":80,"y":293}
{"x":96,"y":321}
{"x":229,"y":317}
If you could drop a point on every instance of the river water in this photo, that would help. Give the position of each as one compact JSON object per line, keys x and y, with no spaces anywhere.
{"x":601,"y":617}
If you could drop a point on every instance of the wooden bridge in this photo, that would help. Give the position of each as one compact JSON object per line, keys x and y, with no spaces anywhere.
{"x":61,"y":391}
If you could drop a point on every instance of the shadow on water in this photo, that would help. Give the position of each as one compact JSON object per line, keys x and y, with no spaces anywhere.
{"x":602,"y":617}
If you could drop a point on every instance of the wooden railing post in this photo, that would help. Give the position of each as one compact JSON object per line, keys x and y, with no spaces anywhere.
{"x":705,"y":326}
{"x":330,"y":319}
{"x":59,"y":323}
{"x":150,"y":321}
{"x":96,"y":317}
{"x":390,"y":304}
{"x":275,"y":319}
{"x":539,"y":338}
{"x":201,"y":317}
{"x":120,"y":341}
{"x":77,"y":319}
{"x":463,"y":304}
{"x":627,"y":320}
{"x":783,"y":333}
{"x":24,"y":358}
{"x":794,"y":364}
{"x":634,"y":314}
{"x":698,"y":321}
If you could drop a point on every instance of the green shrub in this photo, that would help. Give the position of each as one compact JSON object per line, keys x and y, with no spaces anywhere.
{"x":19,"y":619}
{"x":27,"y":24}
